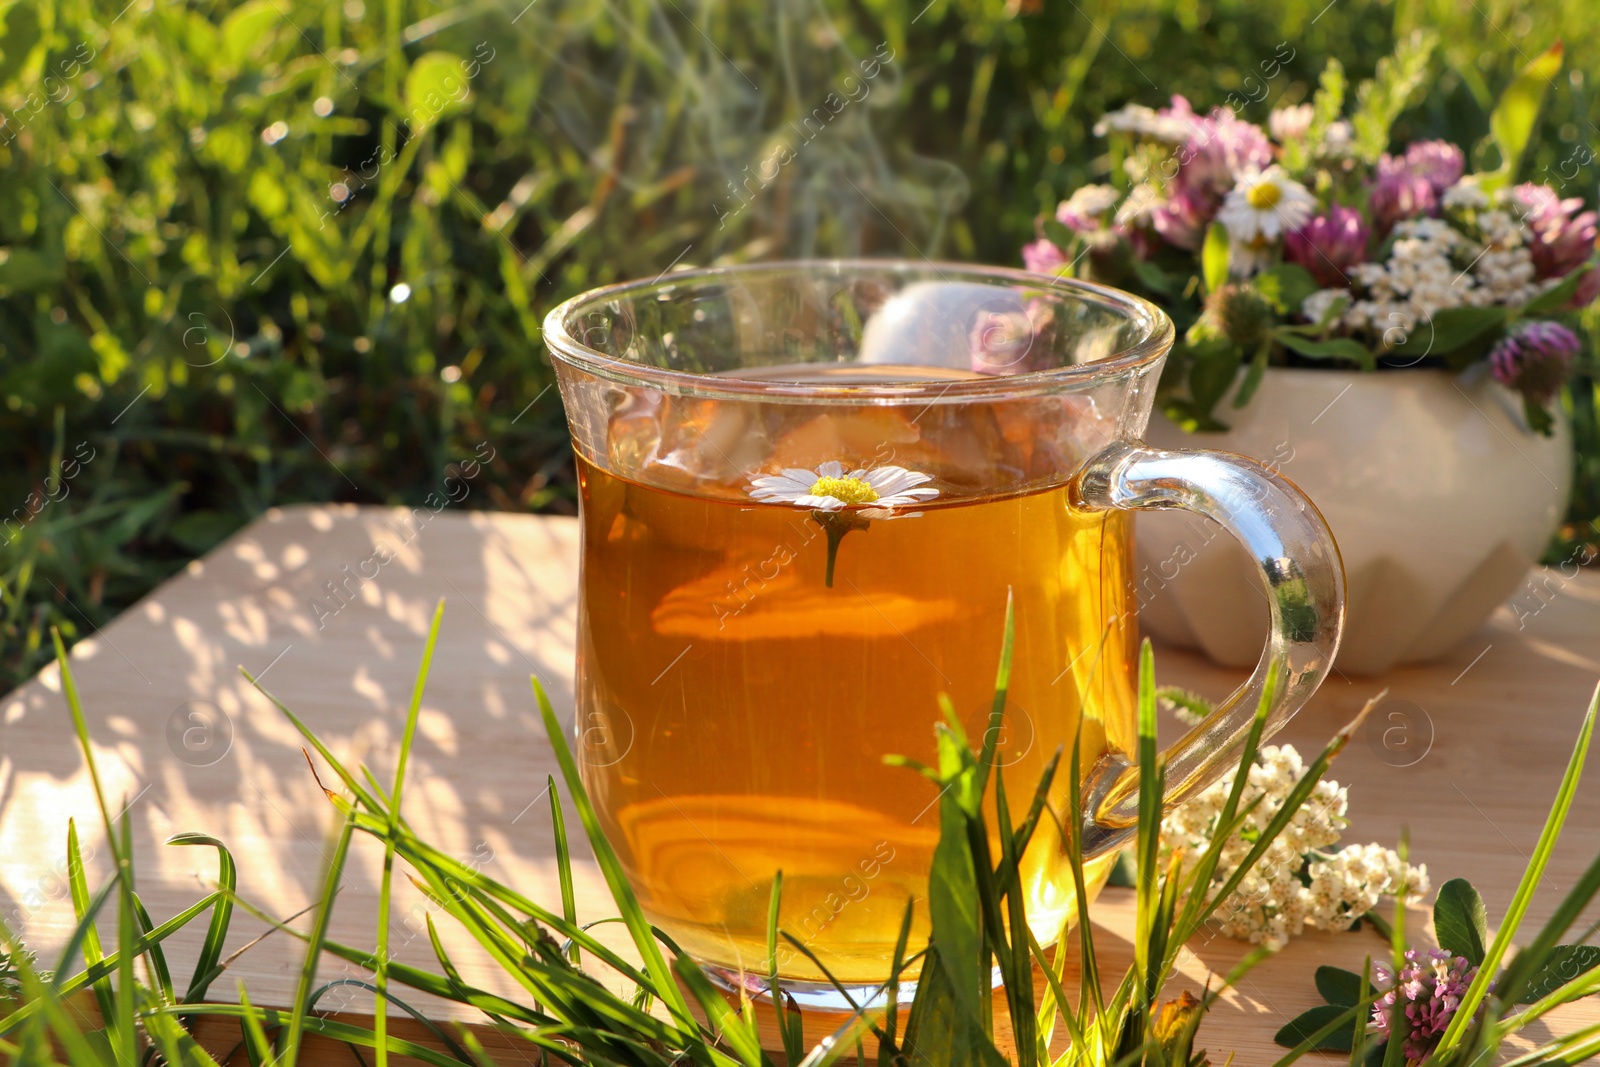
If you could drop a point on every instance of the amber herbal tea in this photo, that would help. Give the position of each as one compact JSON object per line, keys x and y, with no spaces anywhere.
{"x":737,"y":700}
{"x":807,"y":491}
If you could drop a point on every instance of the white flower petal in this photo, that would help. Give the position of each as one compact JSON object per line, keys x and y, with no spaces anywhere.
{"x":800,"y":476}
{"x":821,"y":503}
{"x":892,"y":479}
{"x":830,"y":469}
{"x":775,"y":494}
{"x":913,"y":496}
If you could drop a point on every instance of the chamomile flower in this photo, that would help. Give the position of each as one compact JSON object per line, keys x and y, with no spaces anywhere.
{"x":830,"y":488}
{"x":1266,"y":203}
{"x":835,"y":497}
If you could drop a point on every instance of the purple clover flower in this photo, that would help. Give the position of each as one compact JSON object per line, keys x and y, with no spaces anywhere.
{"x":1328,"y":244}
{"x":1561,"y":234}
{"x":1182,"y":219}
{"x":1440,"y":163}
{"x":1043,"y":256}
{"x":1430,"y":989}
{"x":1410,"y":185}
{"x":1219,"y":147}
{"x":1533,"y":358}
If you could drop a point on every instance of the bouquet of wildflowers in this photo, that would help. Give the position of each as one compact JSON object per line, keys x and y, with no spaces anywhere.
{"x":1310,"y":241}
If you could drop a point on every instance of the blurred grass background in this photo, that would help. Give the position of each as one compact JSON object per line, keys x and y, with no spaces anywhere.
{"x":298,"y":250}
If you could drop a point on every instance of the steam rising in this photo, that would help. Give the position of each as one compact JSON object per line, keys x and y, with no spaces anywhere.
{"x":754,"y":128}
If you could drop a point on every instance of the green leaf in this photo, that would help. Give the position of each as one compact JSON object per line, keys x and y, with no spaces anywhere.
{"x":23,"y":270}
{"x":1512,"y":121}
{"x":201,"y":531}
{"x":1339,"y":986}
{"x":1307,"y":1025}
{"x":1332,"y":348}
{"x":1286,"y":287}
{"x":248,"y":30}
{"x":1253,"y":377}
{"x":1381,"y":98}
{"x":1557,"y":296}
{"x":1057,"y":233}
{"x":1213,"y":374}
{"x":1453,"y":329}
{"x":1152,"y":277}
{"x":436,"y":86}
{"x":1214,"y":257}
{"x":1540,"y":421}
{"x":1122,"y":873}
{"x":1459,"y":920}
{"x":21,"y":35}
{"x":1565,"y":963}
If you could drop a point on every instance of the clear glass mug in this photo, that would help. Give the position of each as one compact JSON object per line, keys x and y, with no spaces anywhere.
{"x":807,"y":490}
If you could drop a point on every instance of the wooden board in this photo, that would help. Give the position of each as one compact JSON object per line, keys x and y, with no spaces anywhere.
{"x":1466,"y":753}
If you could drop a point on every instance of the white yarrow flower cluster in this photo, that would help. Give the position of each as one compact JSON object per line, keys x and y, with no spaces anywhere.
{"x":1465,"y":195}
{"x":1304,"y":879}
{"x":1290,"y":123}
{"x":1145,"y":121}
{"x":1476,"y":257}
{"x":1091,"y":200}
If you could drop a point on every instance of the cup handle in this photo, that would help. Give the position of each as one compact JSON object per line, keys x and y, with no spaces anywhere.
{"x":1291,"y":544}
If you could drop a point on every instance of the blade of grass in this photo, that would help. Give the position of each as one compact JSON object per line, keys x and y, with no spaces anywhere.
{"x":888,"y":1048}
{"x":1151,"y":792}
{"x":741,"y":1035}
{"x":69,"y":689}
{"x":791,"y":1030}
{"x":1530,"y":880}
{"x":380,"y":1010}
{"x":1055,"y":1003}
{"x":1089,"y":991}
{"x":1364,"y":999}
{"x":1016,"y":963}
{"x":569,"y":900}
{"x":997,"y":707}
{"x":1206,"y":869}
{"x":155,"y":958}
{"x":1292,"y":803}
{"x":125,"y":1029}
{"x":1529,"y":959}
{"x":297,"y":1021}
{"x":1399,"y":1026}
{"x":356,"y":788}
{"x":255,"y":1037}
{"x":221,"y":916}
{"x":86,"y":935}
{"x":611,"y":867}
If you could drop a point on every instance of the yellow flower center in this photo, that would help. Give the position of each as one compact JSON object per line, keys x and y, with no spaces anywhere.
{"x":849,"y":490}
{"x":1264,"y":196}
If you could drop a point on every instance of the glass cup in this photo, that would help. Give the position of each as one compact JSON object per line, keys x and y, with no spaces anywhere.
{"x":807,"y":491}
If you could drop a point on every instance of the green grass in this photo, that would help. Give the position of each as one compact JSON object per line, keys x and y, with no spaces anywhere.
{"x":194,"y":327}
{"x":564,"y":1014}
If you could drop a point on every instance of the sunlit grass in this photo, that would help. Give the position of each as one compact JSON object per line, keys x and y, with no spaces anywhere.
{"x":671,"y":1013}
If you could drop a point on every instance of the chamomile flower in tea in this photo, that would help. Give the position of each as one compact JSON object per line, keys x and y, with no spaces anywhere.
{"x":829,"y":488}
{"x":828,"y":491}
